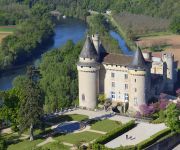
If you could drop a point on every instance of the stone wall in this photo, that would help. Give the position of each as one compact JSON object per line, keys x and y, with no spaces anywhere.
{"x":166,"y":144}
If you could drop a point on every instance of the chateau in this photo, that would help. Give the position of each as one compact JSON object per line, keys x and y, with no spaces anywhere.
{"x":133,"y":80}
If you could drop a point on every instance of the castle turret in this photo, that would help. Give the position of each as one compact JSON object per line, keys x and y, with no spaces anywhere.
{"x":96,"y":42}
{"x":139,"y":81}
{"x":168,"y":58}
{"x":88,"y":75}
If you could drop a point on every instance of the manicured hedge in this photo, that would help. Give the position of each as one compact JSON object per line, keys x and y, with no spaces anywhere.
{"x":129,"y":147}
{"x":116,"y":132}
{"x":153,"y":139}
{"x":97,"y":146}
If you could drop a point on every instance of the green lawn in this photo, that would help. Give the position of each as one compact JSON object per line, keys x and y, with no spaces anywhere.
{"x":55,"y":146}
{"x":24,"y":145}
{"x":7,"y":28}
{"x":105,"y":125}
{"x":73,"y":117}
{"x":73,"y":138}
{"x":76,"y":138}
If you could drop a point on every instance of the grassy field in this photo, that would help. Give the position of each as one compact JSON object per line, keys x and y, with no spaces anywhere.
{"x":55,"y":146}
{"x":5,"y":31}
{"x":25,"y":145}
{"x":76,"y":138}
{"x":105,"y":125}
{"x":7,"y":28}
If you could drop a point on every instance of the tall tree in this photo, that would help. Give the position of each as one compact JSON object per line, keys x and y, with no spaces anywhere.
{"x":31,"y":107}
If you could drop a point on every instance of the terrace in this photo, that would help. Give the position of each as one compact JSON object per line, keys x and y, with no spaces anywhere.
{"x":100,"y":124}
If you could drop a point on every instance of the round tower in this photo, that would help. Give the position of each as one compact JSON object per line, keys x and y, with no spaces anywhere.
{"x":168,"y":58}
{"x":88,"y":75}
{"x":139,"y":81}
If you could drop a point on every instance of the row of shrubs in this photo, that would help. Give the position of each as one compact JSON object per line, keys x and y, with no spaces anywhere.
{"x":99,"y":143}
{"x":116,"y":132}
{"x":153,"y":138}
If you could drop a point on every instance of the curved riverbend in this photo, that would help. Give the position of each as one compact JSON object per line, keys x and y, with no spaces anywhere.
{"x":69,"y":29}
{"x":122,"y":43}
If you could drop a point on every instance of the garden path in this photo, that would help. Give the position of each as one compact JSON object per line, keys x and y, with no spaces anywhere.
{"x":139,"y":133}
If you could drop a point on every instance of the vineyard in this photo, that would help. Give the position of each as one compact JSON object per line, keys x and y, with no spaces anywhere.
{"x":141,"y":24}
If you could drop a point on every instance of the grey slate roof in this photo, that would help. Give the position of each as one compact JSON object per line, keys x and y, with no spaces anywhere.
{"x":89,"y":50}
{"x":138,"y":61}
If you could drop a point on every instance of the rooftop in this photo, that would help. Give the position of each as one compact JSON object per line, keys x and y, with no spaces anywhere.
{"x":88,"y":50}
{"x":117,"y":59}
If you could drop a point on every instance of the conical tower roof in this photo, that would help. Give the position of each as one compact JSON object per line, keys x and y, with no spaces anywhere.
{"x":138,"y":60}
{"x":89,"y":50}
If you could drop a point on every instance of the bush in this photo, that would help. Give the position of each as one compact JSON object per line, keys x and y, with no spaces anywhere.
{"x":116,"y":132}
{"x":153,"y":139}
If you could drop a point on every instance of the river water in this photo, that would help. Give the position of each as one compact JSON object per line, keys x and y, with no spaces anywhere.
{"x":69,"y":29}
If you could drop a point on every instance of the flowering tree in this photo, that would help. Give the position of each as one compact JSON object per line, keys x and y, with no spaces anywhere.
{"x":146,"y":110}
{"x":163,"y":104}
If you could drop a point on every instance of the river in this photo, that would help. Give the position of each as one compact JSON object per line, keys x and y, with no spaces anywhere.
{"x":69,"y":29}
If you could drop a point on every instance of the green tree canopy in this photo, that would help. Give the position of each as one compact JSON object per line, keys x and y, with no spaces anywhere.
{"x":172,"y":117}
{"x":175,"y":24}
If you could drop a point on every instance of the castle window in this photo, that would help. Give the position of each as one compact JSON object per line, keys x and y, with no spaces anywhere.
{"x":135,"y":90}
{"x":126,"y":96}
{"x":113,"y":84}
{"x":135,"y":101}
{"x":83,"y":97}
{"x":126,"y":86}
{"x":113,"y":95}
{"x":134,"y":80}
{"x":126,"y":76}
{"x":112,"y":74}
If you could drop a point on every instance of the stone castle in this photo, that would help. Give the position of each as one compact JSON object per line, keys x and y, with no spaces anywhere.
{"x":134,"y":80}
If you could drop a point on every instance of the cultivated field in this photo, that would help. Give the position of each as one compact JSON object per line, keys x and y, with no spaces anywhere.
{"x":141,"y":24}
{"x":172,"y":43}
{"x":5,"y":31}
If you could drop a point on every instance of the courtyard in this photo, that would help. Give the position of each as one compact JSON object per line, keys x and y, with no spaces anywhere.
{"x":101,"y":123}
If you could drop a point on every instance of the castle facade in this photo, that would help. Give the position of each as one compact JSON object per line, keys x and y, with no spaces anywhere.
{"x":133,"y":80}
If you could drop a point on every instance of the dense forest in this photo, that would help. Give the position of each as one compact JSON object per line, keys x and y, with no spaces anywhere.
{"x":79,"y":8}
{"x":59,"y":76}
{"x":160,"y":8}
{"x":29,"y":38}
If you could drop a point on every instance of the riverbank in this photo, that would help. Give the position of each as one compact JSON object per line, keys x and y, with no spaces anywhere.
{"x":68,"y":29}
{"x":119,"y":29}
{"x":97,"y":24}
